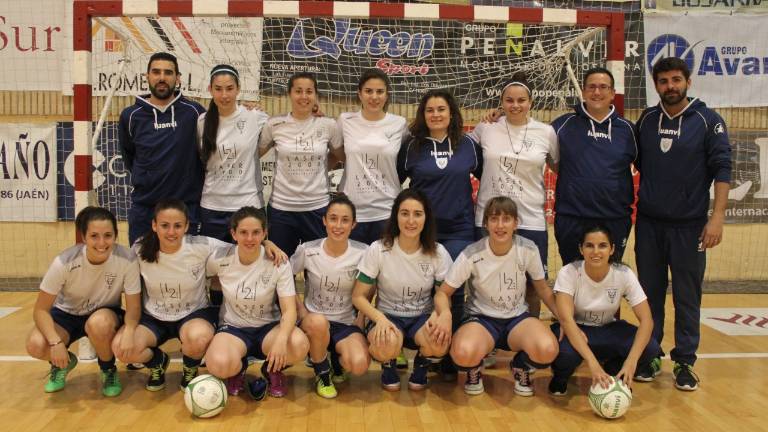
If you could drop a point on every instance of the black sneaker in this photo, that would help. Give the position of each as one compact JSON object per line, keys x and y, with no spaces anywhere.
{"x":558,"y":386}
{"x":685,"y":378}
{"x":257,"y":389}
{"x":646,"y":372}
{"x":418,"y":378}
{"x":187,"y":375}
{"x":156,"y":380}
{"x":390,"y":380}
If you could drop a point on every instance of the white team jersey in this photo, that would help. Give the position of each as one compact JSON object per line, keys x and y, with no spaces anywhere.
{"x":233,"y":174}
{"x":328,"y":281}
{"x":498,"y":282}
{"x":513,"y":166}
{"x":596,"y":303}
{"x":250,"y":292}
{"x":404,"y":281}
{"x":370,"y":173}
{"x":81,"y":287}
{"x":174,"y":285}
{"x":301,"y":155}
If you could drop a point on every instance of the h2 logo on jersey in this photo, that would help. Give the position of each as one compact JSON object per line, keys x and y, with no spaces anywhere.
{"x":227,"y":151}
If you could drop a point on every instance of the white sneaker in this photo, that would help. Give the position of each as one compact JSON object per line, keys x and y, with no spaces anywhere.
{"x":523,"y":383}
{"x":85,"y":349}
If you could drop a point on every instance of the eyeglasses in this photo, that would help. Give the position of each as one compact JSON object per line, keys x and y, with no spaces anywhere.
{"x":595,"y":87}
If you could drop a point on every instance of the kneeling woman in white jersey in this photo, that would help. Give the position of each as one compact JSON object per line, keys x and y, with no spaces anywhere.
{"x":80,"y":296}
{"x":175,"y":296}
{"x":327,"y":316}
{"x":496,"y":314}
{"x":588,"y":293}
{"x":251,"y":322}
{"x":405,"y":265}
{"x":302,"y":142}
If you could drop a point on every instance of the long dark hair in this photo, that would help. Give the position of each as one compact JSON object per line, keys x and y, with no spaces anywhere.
{"x":149,"y":244}
{"x":420,"y":131}
{"x":599,"y":227}
{"x":370,"y":74}
{"x":93,"y":213}
{"x":211,"y":123}
{"x":428,"y":235}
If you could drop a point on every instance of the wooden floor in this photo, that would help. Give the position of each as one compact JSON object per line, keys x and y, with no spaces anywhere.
{"x":732,"y":396}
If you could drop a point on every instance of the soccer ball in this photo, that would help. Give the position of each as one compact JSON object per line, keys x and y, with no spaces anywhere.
{"x":612,"y":402}
{"x":205,"y":396}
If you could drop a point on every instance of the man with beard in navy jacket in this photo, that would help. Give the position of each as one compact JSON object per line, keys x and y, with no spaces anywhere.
{"x":159,"y":147}
{"x":683,"y":147}
{"x":594,"y":182}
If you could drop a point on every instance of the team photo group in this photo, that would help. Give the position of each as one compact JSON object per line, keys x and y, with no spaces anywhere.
{"x":385,"y":268}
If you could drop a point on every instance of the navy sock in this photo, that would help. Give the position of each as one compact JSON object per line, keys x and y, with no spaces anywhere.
{"x":190,"y":362}
{"x":322,"y":367}
{"x":522,"y":361}
{"x":157,"y":358}
{"x":468,"y":368}
{"x":106,"y":365}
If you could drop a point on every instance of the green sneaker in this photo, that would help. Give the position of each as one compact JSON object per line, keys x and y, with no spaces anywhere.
{"x":156,"y":380}
{"x":402,"y":361}
{"x":187,"y":375}
{"x":110,"y":383}
{"x":340,"y":377}
{"x":57,"y":378}
{"x":648,"y":371}
{"x":324,"y":386}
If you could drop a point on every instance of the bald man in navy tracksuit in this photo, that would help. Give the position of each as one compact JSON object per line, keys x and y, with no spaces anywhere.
{"x":683,"y":148}
{"x":594,"y":180}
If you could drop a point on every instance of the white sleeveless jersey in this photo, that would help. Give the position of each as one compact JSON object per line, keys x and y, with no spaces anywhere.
{"x":301,"y":155}
{"x":370,"y":173}
{"x":233,"y":174}
{"x":404,"y":281}
{"x":513,"y":166}
{"x":250,"y":292}
{"x":174,"y":285}
{"x":596,"y":303}
{"x":498,"y":282}
{"x":328,"y":281}
{"x":81,"y":287}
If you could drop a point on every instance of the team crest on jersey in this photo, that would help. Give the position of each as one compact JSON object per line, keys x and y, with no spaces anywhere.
{"x":426,"y":268}
{"x":240,"y":126}
{"x":352,"y":274}
{"x":719,"y":128}
{"x":665,"y":144}
{"x":441,"y":162}
{"x":265,"y":278}
{"x":611,"y":294}
{"x":109,"y":278}
{"x":195,"y":270}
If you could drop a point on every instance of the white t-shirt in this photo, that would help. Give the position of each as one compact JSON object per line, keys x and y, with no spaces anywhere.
{"x":250,"y":292}
{"x":301,"y":148}
{"x":370,"y":173}
{"x":233,"y":174}
{"x":81,"y":287}
{"x":404,"y":281}
{"x":513,"y":166}
{"x":328,"y":281}
{"x":596,"y":303}
{"x":498,"y":282}
{"x":174,"y":285}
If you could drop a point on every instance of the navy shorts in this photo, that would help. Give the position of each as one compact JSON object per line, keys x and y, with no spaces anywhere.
{"x":409,"y":326}
{"x":368,"y":232}
{"x":340,"y":331}
{"x":252,"y":337}
{"x":166,"y":330}
{"x":499,"y":328}
{"x":74,"y":325}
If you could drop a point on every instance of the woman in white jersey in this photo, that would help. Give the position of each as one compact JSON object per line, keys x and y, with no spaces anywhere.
{"x":175,"y":297}
{"x":229,"y":137}
{"x":588,"y":293}
{"x":258,"y":316}
{"x":372,"y":139}
{"x":302,"y":142}
{"x":405,"y":266}
{"x":327,"y":315}
{"x":80,"y":295}
{"x":496,"y":314}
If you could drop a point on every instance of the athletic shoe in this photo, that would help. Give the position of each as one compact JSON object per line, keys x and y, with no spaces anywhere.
{"x":276,"y":380}
{"x":685,"y":378}
{"x":523,"y":382}
{"x":308,"y":362}
{"x":390,"y":380}
{"x":156,"y":380}
{"x":57,"y":377}
{"x":646,"y":372}
{"x":402,"y":361}
{"x":110,"y":383}
{"x":134,"y":366}
{"x":490,"y":359}
{"x":338,"y":374}
{"x":187,"y":375}
{"x":418,"y":378}
{"x":474,"y":384}
{"x":257,"y":389}
{"x":324,"y":386}
{"x":235,"y":383}
{"x":85,"y":349}
{"x":558,"y":386}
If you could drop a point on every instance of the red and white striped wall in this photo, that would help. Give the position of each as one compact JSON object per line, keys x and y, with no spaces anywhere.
{"x":84,"y":10}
